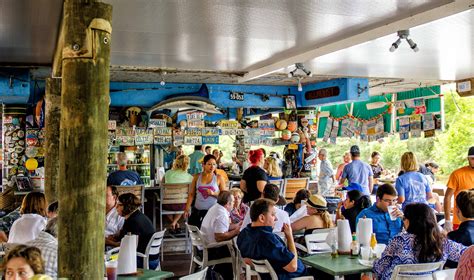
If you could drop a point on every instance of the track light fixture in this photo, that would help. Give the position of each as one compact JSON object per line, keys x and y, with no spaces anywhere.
{"x":299,"y":66}
{"x":162,"y":74}
{"x":300,"y":86}
{"x":403,"y":34}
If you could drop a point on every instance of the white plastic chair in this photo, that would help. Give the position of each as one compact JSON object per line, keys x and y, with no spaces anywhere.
{"x":200,"y":275}
{"x":421,"y":271}
{"x":447,"y":274}
{"x":199,"y":243}
{"x":316,"y":242}
{"x":153,"y":248}
{"x":264,"y":267}
{"x":240,"y":263}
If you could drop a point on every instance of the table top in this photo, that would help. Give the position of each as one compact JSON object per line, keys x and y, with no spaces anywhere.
{"x":148,"y":274}
{"x":341,"y":265}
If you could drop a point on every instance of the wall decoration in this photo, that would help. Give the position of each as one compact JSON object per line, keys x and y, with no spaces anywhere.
{"x":404,"y":135}
{"x":429,"y":133}
{"x":290,"y":102}
{"x":428,"y":122}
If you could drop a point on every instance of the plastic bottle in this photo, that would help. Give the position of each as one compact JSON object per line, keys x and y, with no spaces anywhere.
{"x":373,"y":241}
{"x":333,"y":243}
{"x":355,"y":247}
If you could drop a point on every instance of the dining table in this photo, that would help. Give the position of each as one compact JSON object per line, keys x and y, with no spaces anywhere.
{"x":337,"y":266}
{"x":147,"y":274}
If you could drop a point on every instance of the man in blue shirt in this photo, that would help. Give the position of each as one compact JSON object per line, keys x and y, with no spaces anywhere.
{"x":195,"y":160}
{"x":358,"y":172}
{"x":123,"y":176}
{"x":383,"y":226}
{"x":257,"y":241}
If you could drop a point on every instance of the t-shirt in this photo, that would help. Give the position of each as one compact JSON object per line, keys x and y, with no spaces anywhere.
{"x":203,"y":200}
{"x":26,"y":228}
{"x":251,"y":176}
{"x":461,"y":179}
{"x":195,"y":162}
{"x":358,"y":172}
{"x":113,"y":222}
{"x":178,"y":176}
{"x":383,"y":227}
{"x":281,"y":215}
{"x":216,"y":221}
{"x":124,"y":178}
{"x":377,"y":170}
{"x":413,"y":186}
{"x":260,"y":243}
{"x":139,"y":224}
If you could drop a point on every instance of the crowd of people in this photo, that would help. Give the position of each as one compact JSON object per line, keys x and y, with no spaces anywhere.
{"x":258,"y":216}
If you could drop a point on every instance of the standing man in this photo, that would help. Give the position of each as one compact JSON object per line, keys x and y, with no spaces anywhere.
{"x":460,"y":179}
{"x":195,"y":160}
{"x":358,"y":172}
{"x":208,"y":150}
{"x":123,"y":177}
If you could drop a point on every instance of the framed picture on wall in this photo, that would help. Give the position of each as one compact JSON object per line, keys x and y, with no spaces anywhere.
{"x":23,"y":183}
{"x":290,"y":102}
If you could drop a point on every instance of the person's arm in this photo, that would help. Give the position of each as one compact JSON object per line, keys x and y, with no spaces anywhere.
{"x":292,"y":266}
{"x":371,"y":184}
{"x":400,"y":191}
{"x":222,"y":183}
{"x":191,"y":195}
{"x":261,"y":185}
{"x":299,"y":224}
{"x":448,"y":195}
{"x":3,"y":236}
{"x":243,"y":185}
{"x":110,"y":241}
{"x":227,"y":235}
{"x":343,"y":176}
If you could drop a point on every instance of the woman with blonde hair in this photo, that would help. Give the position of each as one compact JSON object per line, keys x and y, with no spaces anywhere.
{"x":273,"y":168}
{"x":318,"y":216}
{"x":239,"y":209}
{"x":178,"y":174}
{"x":33,"y":213}
{"x":412,"y":186}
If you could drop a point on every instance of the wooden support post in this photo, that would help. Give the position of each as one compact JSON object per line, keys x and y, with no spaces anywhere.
{"x":83,"y":138}
{"x":51,"y":156}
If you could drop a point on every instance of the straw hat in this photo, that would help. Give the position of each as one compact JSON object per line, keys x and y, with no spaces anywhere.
{"x":317,"y":201}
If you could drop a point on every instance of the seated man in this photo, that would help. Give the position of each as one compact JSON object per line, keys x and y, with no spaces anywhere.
{"x":271,"y":191}
{"x":257,"y":241}
{"x":465,"y":212}
{"x":113,"y":221}
{"x":383,"y":226}
{"x":216,"y":227}
{"x":53,"y":209}
{"x":47,"y":242}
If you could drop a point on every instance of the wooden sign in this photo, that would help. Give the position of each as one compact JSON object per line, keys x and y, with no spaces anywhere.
{"x":144,"y":139}
{"x":123,"y":140}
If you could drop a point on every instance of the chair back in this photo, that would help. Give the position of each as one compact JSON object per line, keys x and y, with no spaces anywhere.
{"x":200,"y":275}
{"x":316,"y":242}
{"x":174,"y":193}
{"x":421,"y":271}
{"x":137,"y":190}
{"x":197,"y":239}
{"x":280,"y":183}
{"x":447,"y":274}
{"x":293,"y":185}
{"x":263,"y":266}
{"x":154,"y":245}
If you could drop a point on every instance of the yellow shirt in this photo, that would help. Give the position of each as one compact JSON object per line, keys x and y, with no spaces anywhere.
{"x":461,"y":179}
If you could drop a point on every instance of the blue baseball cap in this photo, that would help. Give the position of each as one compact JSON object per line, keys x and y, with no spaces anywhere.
{"x":353,"y":186}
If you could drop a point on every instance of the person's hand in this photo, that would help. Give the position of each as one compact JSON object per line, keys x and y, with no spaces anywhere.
{"x":186,"y":212}
{"x":287,"y":230}
{"x":448,"y":226}
{"x":397,"y":213}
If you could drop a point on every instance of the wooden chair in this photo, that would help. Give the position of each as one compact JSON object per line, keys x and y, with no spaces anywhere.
{"x":422,"y":271}
{"x":138,"y":190}
{"x":199,"y":243}
{"x":280,"y":183}
{"x":293,"y":185}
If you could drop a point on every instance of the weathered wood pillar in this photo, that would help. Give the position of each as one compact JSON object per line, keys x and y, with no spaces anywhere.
{"x":51,"y":155}
{"x":83,"y":138}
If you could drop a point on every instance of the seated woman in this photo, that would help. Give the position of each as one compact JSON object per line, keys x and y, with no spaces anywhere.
{"x":272,"y":168}
{"x":291,"y":207}
{"x":177,"y":175}
{"x":204,"y":191}
{"x":32,"y":221}
{"x":355,"y":202}
{"x":239,"y":209}
{"x":423,"y":242}
{"x":318,"y":216}
{"x":23,"y":262}
{"x":136,"y":223}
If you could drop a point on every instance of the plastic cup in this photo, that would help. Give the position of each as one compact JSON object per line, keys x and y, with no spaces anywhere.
{"x":378,"y":250}
{"x":392,"y":208}
{"x":111,"y":268}
{"x":365,"y":253}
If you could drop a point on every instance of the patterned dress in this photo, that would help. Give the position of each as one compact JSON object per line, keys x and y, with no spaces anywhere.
{"x":237,"y":216}
{"x":401,"y":250}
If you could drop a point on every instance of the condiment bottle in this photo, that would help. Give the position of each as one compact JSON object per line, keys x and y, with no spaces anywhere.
{"x":355,"y":248}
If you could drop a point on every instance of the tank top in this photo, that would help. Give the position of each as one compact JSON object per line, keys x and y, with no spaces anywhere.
{"x":203,"y":200}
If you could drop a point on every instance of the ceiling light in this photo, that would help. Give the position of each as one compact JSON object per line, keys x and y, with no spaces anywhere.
{"x":403,"y":34}
{"x":300,"y":86}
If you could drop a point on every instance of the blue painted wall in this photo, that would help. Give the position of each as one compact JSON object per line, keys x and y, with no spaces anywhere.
{"x":14,"y":90}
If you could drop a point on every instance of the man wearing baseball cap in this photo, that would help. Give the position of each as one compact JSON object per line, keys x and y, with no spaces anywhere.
{"x":358,"y":172}
{"x":460,"y":179}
